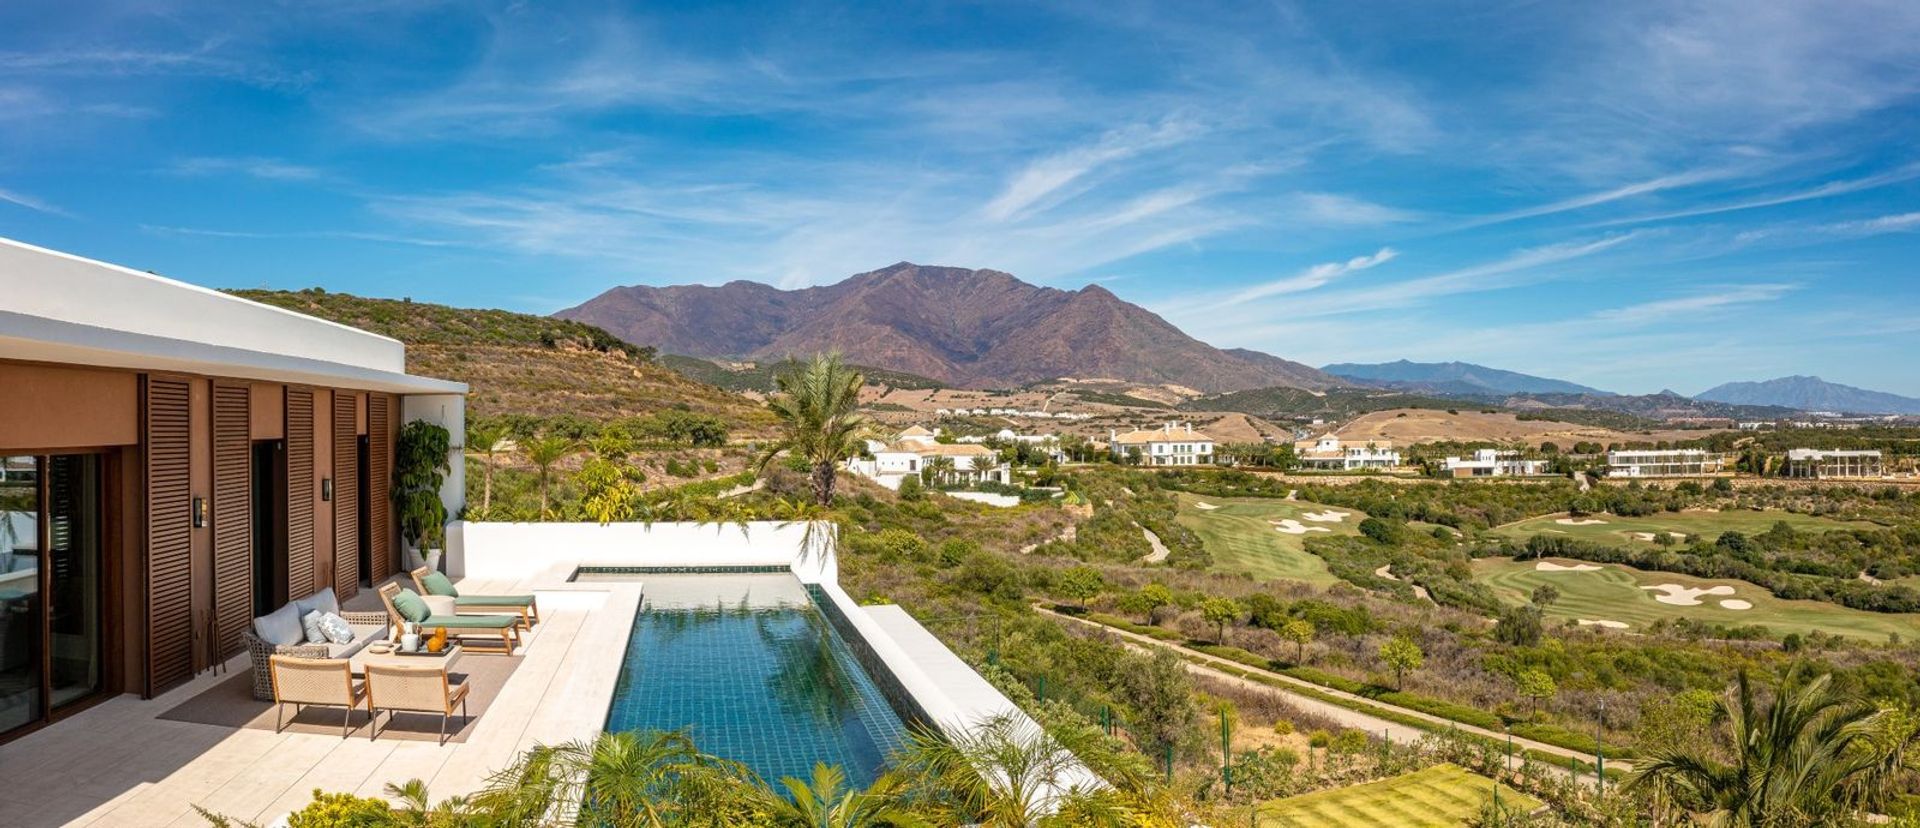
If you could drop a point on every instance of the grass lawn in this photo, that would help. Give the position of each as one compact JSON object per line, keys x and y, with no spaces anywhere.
{"x":1238,"y":534}
{"x":1621,"y":531}
{"x":1613,"y":593}
{"x":1442,"y":795}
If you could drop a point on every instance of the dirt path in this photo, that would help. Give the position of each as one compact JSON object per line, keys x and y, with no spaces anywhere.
{"x":1160,"y":550}
{"x":1345,"y":716}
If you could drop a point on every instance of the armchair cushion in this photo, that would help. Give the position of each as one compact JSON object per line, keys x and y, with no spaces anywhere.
{"x":437,"y":584}
{"x":324,"y":601}
{"x":410,"y":607}
{"x":310,"y":622}
{"x":281,"y":627}
{"x":335,"y":629}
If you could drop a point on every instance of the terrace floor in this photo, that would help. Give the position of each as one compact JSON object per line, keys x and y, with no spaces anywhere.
{"x":119,"y":764}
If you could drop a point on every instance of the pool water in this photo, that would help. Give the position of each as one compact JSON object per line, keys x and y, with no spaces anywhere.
{"x":751,"y":669}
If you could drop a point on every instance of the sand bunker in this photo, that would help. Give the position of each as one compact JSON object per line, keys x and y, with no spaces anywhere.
{"x":1294,"y":527}
{"x":1550,"y":566}
{"x":1328,"y":516}
{"x":1204,"y":505}
{"x":1735,"y":604}
{"x":1611,"y":625}
{"x":1386,"y":571}
{"x":1567,"y":521}
{"x":1678,"y":537}
{"x":1680,"y":596}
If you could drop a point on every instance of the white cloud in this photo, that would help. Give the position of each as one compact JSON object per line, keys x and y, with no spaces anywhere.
{"x":1042,"y":178}
{"x":29,"y":202}
{"x":1313,"y":277}
{"x":1487,"y":276}
{"x":1685,"y":306}
{"x":1829,"y":189}
{"x":269,"y":169}
{"x":1884,"y":224}
{"x":1335,"y":209}
{"x":1638,"y":188}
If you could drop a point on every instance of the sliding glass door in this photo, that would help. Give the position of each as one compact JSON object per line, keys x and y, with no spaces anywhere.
{"x":51,"y":569}
{"x":22,"y":655}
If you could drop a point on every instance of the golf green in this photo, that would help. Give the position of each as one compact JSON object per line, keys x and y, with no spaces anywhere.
{"x":1616,"y":530}
{"x":1265,"y":537}
{"x":1616,"y":594}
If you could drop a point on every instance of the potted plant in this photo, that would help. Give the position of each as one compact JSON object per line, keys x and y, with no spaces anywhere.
{"x":419,"y":467}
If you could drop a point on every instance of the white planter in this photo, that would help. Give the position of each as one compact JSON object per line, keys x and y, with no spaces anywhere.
{"x":430,"y":559}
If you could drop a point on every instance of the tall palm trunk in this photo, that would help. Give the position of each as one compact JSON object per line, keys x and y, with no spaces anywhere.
{"x":823,"y":478}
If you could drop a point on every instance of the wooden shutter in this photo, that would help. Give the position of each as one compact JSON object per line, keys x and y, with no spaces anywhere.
{"x":232,"y":516}
{"x":346,"y":496}
{"x":167,"y":445}
{"x":379,"y":486}
{"x":300,"y":550}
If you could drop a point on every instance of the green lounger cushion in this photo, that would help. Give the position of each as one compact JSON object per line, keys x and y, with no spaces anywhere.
{"x":471,"y":622}
{"x":493,"y":601}
{"x":410,"y":606}
{"x":437,"y":584}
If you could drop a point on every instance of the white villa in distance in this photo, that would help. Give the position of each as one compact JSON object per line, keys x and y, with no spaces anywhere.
{"x":911,"y":450}
{"x":1824,"y":464}
{"x":1665,"y":463}
{"x":1493,"y":463}
{"x":1329,"y":454}
{"x":1172,"y":444}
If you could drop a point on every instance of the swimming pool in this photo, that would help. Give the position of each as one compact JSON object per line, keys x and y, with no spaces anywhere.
{"x":749,"y":666}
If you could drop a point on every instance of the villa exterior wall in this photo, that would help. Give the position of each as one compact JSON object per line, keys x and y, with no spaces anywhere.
{"x":517,"y":551}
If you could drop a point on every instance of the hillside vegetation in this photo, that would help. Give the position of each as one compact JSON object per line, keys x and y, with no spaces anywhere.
{"x":517,"y":363}
{"x":760,"y":377}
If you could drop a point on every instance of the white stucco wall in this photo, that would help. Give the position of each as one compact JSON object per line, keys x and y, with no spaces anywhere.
{"x":519,"y":551}
{"x":449,"y":411}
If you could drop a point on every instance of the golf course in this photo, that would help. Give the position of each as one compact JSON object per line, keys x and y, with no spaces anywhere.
{"x":1611,"y":595}
{"x":1684,"y":526}
{"x":1442,"y":795}
{"x":1266,"y":537}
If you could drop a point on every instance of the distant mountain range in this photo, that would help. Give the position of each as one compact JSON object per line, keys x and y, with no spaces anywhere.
{"x":1811,"y":394}
{"x":967,"y":328}
{"x":1454,"y":378}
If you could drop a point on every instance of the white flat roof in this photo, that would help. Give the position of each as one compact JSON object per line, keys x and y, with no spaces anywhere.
{"x":67,"y":309}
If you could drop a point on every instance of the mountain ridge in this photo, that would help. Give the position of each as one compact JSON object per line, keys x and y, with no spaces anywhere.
{"x":1453,"y":378}
{"x":1810,"y":393}
{"x":966,"y":327}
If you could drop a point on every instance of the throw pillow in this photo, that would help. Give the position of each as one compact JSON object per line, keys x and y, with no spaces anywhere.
{"x":335,"y":628}
{"x":311,"y":624}
{"x":437,"y":584}
{"x":280,"y":627}
{"x":324,"y":601}
{"x":408,"y":603}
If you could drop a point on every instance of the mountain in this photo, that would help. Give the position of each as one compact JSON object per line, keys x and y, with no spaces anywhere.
{"x":966,"y":328}
{"x":1811,"y":394}
{"x":1458,"y":378}
{"x":516,"y":363}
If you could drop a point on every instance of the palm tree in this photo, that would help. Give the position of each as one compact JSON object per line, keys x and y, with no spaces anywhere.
{"x":646,"y":779}
{"x":937,"y":470}
{"x":1005,"y":773}
{"x":818,"y":422}
{"x":487,"y":440}
{"x":825,"y":801}
{"x":1809,"y":756}
{"x":544,"y":452}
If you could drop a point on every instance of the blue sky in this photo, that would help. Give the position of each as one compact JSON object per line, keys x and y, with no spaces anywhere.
{"x":1629,"y":195}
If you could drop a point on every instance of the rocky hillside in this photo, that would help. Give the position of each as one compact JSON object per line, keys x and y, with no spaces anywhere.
{"x":967,"y":328}
{"x":525,"y":364}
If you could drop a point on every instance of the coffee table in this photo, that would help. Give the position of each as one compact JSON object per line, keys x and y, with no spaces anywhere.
{"x":445,"y":660}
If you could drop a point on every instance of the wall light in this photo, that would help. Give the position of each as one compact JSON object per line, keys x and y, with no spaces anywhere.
{"x":326,"y":488}
{"x":199,"y":512}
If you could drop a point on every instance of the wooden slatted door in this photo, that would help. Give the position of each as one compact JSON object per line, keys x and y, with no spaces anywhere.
{"x":300,"y":551}
{"x":167,"y":448}
{"x":379,"y":486}
{"x":232,"y":516}
{"x":346,"y":495}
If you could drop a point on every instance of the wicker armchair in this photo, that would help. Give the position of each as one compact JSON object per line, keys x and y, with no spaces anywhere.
{"x":262,"y":653}
{"x":324,"y":682}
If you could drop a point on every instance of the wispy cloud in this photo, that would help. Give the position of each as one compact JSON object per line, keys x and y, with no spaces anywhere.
{"x":1884,"y":224}
{"x":270,"y":169}
{"x":23,"y":200}
{"x":1830,"y":189}
{"x":1043,"y":178}
{"x":344,"y":235}
{"x":1336,"y":209}
{"x":1314,"y":277}
{"x":1645,"y":313}
{"x":1627,"y":191}
{"x":1494,"y":275}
